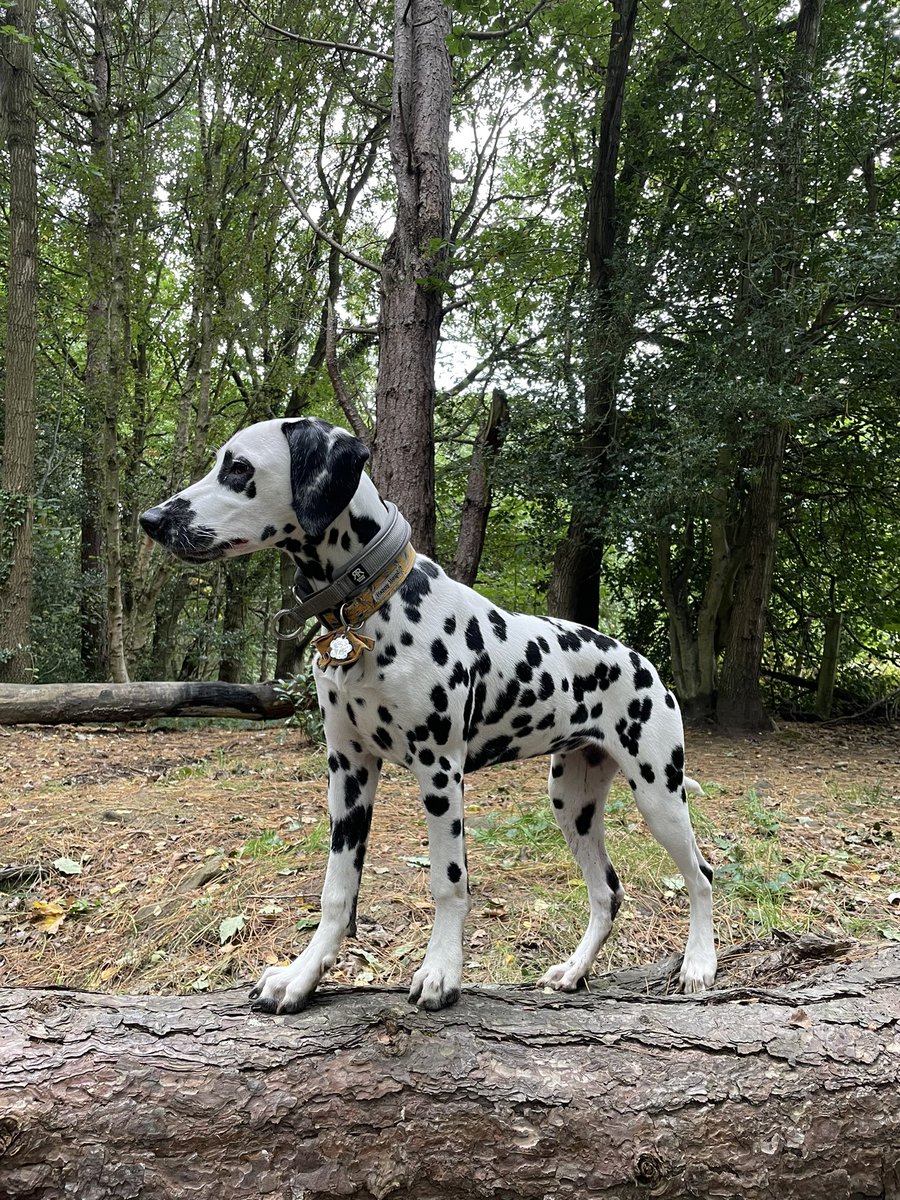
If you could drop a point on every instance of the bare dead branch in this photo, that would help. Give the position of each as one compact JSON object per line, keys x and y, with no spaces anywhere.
{"x":357,"y":424}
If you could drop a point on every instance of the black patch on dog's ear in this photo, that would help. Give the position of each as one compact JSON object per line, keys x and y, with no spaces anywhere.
{"x":325,"y":472}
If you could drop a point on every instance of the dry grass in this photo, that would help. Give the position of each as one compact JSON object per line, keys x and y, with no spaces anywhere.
{"x":800,"y":829}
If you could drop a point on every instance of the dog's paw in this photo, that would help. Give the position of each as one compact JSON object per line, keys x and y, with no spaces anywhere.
{"x":698,"y":972}
{"x":434,"y":987}
{"x":565,"y":977}
{"x":285,"y":989}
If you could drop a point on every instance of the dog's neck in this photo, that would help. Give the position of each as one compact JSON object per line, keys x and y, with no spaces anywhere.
{"x":322,"y":559}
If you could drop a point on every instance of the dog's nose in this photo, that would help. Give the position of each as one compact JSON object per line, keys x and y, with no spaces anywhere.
{"x":152,"y":520}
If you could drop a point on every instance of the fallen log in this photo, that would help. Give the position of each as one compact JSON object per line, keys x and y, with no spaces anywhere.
{"x":80,"y":703}
{"x":756,"y":1090}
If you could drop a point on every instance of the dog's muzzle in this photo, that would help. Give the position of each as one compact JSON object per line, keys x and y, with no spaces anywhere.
{"x":152,"y":522}
{"x":172,"y":526}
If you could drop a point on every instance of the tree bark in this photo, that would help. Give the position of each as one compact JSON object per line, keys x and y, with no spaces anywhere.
{"x":414,"y":265}
{"x":479,"y":492}
{"x":825,"y":684}
{"x":234,"y":619}
{"x":574,"y":592}
{"x":755,"y":1090}
{"x":17,"y":116}
{"x":103,"y":375}
{"x":740,"y":707}
{"x":87,"y":703}
{"x":92,"y":609}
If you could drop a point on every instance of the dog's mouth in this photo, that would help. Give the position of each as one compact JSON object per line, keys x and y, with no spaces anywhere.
{"x":196,"y":554}
{"x":171,"y":525}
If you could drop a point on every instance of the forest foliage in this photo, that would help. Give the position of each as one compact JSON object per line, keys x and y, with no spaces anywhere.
{"x":215,"y":180}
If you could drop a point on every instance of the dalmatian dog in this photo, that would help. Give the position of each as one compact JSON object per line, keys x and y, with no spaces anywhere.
{"x":452,"y":683}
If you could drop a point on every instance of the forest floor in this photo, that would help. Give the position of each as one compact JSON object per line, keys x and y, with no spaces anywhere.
{"x":160,"y":860}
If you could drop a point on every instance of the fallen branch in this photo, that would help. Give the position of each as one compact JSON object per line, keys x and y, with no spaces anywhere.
{"x":80,"y":703}
{"x":782,"y":1082}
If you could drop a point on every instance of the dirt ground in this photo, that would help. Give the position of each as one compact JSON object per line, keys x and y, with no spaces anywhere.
{"x":151,"y":860}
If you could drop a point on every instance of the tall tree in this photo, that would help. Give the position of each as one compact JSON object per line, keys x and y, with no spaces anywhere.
{"x":17,"y":481}
{"x":740,"y":703}
{"x":575,"y":588}
{"x":414,"y":263}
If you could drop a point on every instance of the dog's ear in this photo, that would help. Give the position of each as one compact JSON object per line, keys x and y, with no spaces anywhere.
{"x":326,"y":465}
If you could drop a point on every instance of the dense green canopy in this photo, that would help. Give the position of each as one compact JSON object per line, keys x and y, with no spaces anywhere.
{"x":673,"y":252}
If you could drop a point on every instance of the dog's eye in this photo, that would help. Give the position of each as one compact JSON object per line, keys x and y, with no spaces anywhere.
{"x":240,"y":466}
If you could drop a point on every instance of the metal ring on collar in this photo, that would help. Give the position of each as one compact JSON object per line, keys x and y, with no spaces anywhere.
{"x":342,"y":617}
{"x":289,"y":634}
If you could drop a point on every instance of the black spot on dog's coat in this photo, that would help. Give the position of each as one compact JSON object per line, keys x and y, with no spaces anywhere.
{"x":498,"y":624}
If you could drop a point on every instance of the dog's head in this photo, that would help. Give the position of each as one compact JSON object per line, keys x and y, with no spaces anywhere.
{"x":272,"y":476}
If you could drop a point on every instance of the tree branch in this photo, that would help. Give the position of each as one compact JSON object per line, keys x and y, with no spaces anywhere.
{"x":357,"y":424}
{"x":320,"y":232}
{"x":343,"y":47}
{"x":492,"y":35}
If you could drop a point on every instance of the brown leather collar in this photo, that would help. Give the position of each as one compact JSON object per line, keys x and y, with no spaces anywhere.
{"x":342,"y":645}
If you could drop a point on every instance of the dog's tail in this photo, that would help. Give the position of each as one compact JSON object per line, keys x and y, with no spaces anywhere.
{"x":692,"y":786}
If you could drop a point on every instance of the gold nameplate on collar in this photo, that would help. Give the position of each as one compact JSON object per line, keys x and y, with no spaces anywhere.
{"x":341,"y":648}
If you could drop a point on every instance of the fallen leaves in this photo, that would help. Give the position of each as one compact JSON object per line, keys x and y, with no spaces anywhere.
{"x":230,"y":926}
{"x":199,"y":854}
{"x":47,"y":916}
{"x":67,"y":866}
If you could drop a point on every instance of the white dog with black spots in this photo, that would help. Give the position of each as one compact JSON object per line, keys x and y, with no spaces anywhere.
{"x":452,"y":684}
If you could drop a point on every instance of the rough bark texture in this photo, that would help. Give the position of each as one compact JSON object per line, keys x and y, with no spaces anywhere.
{"x":740,"y":706}
{"x":756,"y":1091}
{"x":234,"y":620}
{"x":414,"y":265}
{"x":694,"y":628}
{"x":77,"y":703}
{"x":103,"y":373}
{"x":17,"y":116}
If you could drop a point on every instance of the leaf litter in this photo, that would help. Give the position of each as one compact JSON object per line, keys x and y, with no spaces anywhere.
{"x":178,"y":860}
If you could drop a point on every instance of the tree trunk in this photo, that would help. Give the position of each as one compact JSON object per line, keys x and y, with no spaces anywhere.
{"x":103,"y":362}
{"x":414,"y":265}
{"x":574,"y":592}
{"x":92,"y":610}
{"x":756,"y":1090}
{"x":20,"y":421}
{"x":740,"y":708}
{"x":88,"y":703}
{"x":479,"y":493}
{"x":234,"y":619}
{"x":828,"y":670}
{"x":288,"y":657}
{"x":694,"y":629}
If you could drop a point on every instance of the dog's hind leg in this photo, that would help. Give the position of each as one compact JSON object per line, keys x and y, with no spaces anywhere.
{"x":437,"y":982}
{"x":579,"y":784}
{"x":666,"y":812}
{"x":352,"y":779}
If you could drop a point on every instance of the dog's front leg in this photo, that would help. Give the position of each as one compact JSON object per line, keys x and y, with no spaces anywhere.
{"x":437,"y":982}
{"x":351,"y":792}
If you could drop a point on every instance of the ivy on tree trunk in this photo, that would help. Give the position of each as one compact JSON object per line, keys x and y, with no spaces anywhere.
{"x":17,"y":116}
